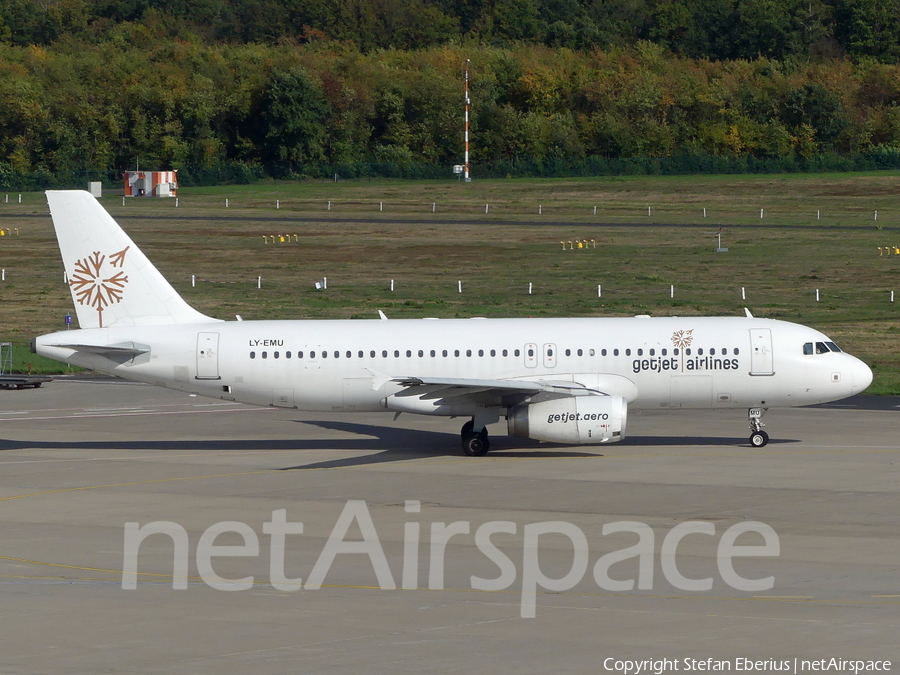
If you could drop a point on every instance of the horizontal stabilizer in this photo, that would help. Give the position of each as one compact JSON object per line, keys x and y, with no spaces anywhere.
{"x":129,"y":349}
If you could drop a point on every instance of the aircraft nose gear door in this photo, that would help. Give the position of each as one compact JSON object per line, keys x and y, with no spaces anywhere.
{"x":208,"y":356}
{"x":761,"y":352}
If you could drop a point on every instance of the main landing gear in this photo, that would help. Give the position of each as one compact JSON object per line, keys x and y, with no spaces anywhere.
{"x":474,"y":443}
{"x":758,"y":437}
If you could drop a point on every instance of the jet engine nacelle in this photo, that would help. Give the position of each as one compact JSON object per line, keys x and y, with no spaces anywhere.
{"x":575,"y":419}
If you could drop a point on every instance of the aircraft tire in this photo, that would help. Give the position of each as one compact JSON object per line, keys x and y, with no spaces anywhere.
{"x":759,"y":438}
{"x":476,"y":445}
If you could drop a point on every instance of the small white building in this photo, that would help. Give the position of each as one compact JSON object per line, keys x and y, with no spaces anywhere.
{"x":151,"y":183}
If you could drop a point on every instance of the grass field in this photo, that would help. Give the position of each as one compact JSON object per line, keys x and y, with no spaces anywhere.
{"x":780,"y":260}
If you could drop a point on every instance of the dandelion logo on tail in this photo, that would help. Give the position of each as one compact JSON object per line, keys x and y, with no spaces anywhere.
{"x":94,"y":287}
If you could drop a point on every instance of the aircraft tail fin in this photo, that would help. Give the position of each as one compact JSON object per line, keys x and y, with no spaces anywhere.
{"x":111,"y":280}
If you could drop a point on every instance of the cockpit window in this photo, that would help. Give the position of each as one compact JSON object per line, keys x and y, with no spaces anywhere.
{"x":833,"y":347}
{"x":808,"y":348}
{"x":821,"y":348}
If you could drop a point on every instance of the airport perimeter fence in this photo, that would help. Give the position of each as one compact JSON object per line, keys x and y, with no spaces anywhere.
{"x":242,"y":173}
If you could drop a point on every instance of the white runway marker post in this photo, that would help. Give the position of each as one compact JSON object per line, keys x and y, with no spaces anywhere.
{"x":599,"y":291}
{"x":459,"y":286}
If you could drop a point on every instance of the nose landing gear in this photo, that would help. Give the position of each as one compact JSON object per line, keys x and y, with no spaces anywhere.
{"x":758,"y":437}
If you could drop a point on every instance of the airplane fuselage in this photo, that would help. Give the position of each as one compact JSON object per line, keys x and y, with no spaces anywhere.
{"x":680,"y":362}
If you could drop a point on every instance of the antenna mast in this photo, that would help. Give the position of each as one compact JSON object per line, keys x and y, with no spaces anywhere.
{"x":466,"y":177}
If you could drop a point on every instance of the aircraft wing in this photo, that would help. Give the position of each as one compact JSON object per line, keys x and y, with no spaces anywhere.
{"x":446,"y":390}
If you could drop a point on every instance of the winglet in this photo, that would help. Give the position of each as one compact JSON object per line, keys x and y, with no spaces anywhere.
{"x":747,"y":312}
{"x":382,"y":315}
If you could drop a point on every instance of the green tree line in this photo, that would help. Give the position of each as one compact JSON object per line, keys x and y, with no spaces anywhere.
{"x":708,"y":29}
{"x":286,"y":108}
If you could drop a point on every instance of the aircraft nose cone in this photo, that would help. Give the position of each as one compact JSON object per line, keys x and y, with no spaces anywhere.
{"x":862,"y":376}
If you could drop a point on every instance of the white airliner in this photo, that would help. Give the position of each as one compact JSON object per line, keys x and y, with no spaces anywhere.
{"x":567,"y":381}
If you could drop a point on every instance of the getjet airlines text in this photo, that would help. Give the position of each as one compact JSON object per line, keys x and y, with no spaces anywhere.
{"x":533,"y":577}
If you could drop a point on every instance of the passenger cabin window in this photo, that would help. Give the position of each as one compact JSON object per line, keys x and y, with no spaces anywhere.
{"x":627,"y":352}
{"x":516,"y":353}
{"x":455,"y":352}
{"x":396,"y":353}
{"x":579,"y":352}
{"x":421,"y":353}
{"x":299,"y":355}
{"x":265,"y":355}
{"x":444,"y":353}
{"x":505,"y":353}
{"x":252,"y":355}
{"x":640,"y":352}
{"x":493,"y":352}
{"x":287,"y":355}
{"x":433,"y":353}
{"x":384,"y":353}
{"x":275,"y":355}
{"x":591,"y":353}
